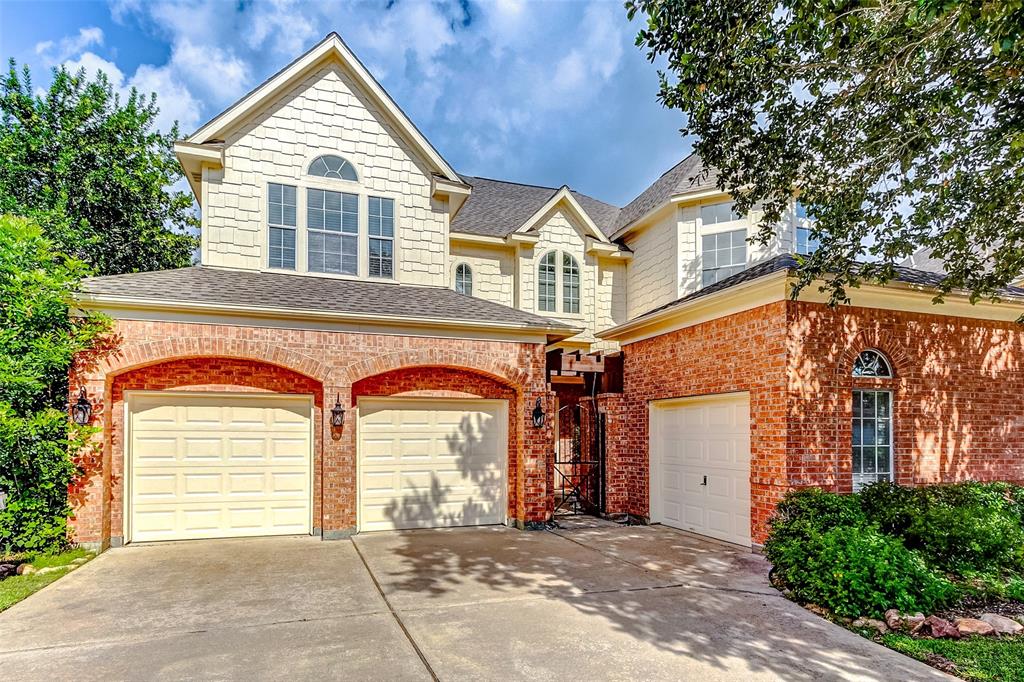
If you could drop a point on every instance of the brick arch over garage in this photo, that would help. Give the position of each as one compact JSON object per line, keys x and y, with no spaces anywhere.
{"x":139,"y":355}
{"x":198,"y":374}
{"x":494,"y":367}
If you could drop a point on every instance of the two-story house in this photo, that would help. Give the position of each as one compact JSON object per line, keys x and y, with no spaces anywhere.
{"x":367,"y":343}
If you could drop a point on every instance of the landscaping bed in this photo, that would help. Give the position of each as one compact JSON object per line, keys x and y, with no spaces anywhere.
{"x":22,"y":575}
{"x":935,"y":572}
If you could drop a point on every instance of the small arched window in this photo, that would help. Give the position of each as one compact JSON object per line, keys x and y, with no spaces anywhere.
{"x":871,"y":363}
{"x":332,"y":166}
{"x":570,"y":284}
{"x":464,"y":279}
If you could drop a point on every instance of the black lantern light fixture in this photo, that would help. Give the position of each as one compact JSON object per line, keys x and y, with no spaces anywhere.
{"x":538,"y":415}
{"x":82,"y":409}
{"x":337,"y":413}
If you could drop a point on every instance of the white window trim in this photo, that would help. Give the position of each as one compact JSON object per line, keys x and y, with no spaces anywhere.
{"x":265,"y":218}
{"x":559,"y":310}
{"x":734,"y":226}
{"x":363,"y":193}
{"x":393,"y":238}
{"x":455,"y":276}
{"x":892,"y":428}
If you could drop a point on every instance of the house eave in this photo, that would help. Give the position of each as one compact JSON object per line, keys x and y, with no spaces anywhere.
{"x":420,"y":325}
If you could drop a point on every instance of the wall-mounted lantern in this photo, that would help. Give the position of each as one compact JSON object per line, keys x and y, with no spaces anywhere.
{"x":81,"y":410}
{"x":337,"y":413}
{"x":538,"y":415}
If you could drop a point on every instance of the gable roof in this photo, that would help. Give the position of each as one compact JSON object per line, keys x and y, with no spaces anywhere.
{"x":679,"y":179}
{"x":267,"y":292}
{"x":332,"y":46}
{"x":497,"y":208}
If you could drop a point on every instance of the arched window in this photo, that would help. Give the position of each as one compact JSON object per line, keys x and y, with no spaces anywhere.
{"x":331,"y":166}
{"x":872,"y":436}
{"x":546,"y":283}
{"x":570,"y":284}
{"x":464,"y":279}
{"x":871,"y":363}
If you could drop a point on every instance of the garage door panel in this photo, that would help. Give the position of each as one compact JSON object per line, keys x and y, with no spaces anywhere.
{"x":224,"y":466}
{"x":428,"y":463}
{"x":707,"y":489}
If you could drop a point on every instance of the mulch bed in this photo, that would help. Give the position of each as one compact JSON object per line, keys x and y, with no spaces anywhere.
{"x":972,"y":607}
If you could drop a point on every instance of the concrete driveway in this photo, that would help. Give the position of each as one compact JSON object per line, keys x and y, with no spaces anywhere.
{"x":604,"y":602}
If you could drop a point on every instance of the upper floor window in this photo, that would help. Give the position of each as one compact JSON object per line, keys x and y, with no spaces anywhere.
{"x":546,"y":283}
{"x":382,"y":236}
{"x":805,"y":242}
{"x":570,"y":284}
{"x":331,"y":166}
{"x":723,"y":254}
{"x":464,"y":279}
{"x":281,"y":213}
{"x":558,"y":271}
{"x":332,"y":223}
{"x":723,"y":212}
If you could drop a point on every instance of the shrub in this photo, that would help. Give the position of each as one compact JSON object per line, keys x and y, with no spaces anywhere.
{"x":39,"y":340}
{"x":856,"y":570}
{"x":961,"y":528}
{"x":804,"y":513}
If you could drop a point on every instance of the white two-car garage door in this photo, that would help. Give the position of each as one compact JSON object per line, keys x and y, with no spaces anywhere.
{"x":700,"y":465}
{"x":218,"y":465}
{"x":427,"y":463}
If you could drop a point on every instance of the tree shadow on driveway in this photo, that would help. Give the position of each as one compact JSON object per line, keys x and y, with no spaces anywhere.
{"x":609,"y":602}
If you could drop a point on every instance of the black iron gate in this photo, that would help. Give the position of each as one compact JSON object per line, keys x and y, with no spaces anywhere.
{"x":580,"y":468}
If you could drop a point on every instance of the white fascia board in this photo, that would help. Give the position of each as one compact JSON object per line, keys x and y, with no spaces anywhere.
{"x":455,"y":194}
{"x":563,"y":194}
{"x":477,"y":239}
{"x":114,"y":304}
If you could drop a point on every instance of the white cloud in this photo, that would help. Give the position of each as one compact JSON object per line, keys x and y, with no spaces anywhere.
{"x":220,"y":75}
{"x":176,"y":103}
{"x":55,"y":53}
{"x":93,"y":64}
{"x":172,"y":96}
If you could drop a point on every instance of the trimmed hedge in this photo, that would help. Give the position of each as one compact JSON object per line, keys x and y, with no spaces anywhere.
{"x":915,"y":549}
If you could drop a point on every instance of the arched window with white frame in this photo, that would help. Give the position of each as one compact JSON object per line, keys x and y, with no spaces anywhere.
{"x":570,"y":284}
{"x":872,"y":435}
{"x":546,"y":278}
{"x":464,"y":279}
{"x":333,"y":166}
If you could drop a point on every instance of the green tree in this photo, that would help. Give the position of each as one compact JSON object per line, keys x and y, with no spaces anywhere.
{"x":94,"y":172}
{"x":900,"y":123}
{"x":39,"y":342}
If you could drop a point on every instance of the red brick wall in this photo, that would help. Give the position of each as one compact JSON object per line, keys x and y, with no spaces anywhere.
{"x":742,"y":352}
{"x":958,"y":397}
{"x":958,"y":394}
{"x":218,"y":357}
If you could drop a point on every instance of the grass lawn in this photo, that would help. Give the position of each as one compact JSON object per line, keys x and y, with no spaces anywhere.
{"x":977,"y":658}
{"x":17,"y":587}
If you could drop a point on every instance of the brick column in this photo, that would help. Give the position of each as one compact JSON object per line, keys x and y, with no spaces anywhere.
{"x":334,"y":488}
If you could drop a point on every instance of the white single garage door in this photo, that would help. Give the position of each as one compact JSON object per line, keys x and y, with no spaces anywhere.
{"x":427,"y":463}
{"x":700,"y":465}
{"x":216,"y":466}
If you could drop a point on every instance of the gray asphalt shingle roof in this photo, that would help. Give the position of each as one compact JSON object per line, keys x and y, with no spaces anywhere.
{"x":788,"y":262}
{"x":317,"y":294}
{"x":685,"y":176}
{"x":497,"y":208}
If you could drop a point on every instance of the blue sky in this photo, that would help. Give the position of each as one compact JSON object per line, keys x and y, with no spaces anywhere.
{"x":537,"y":92}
